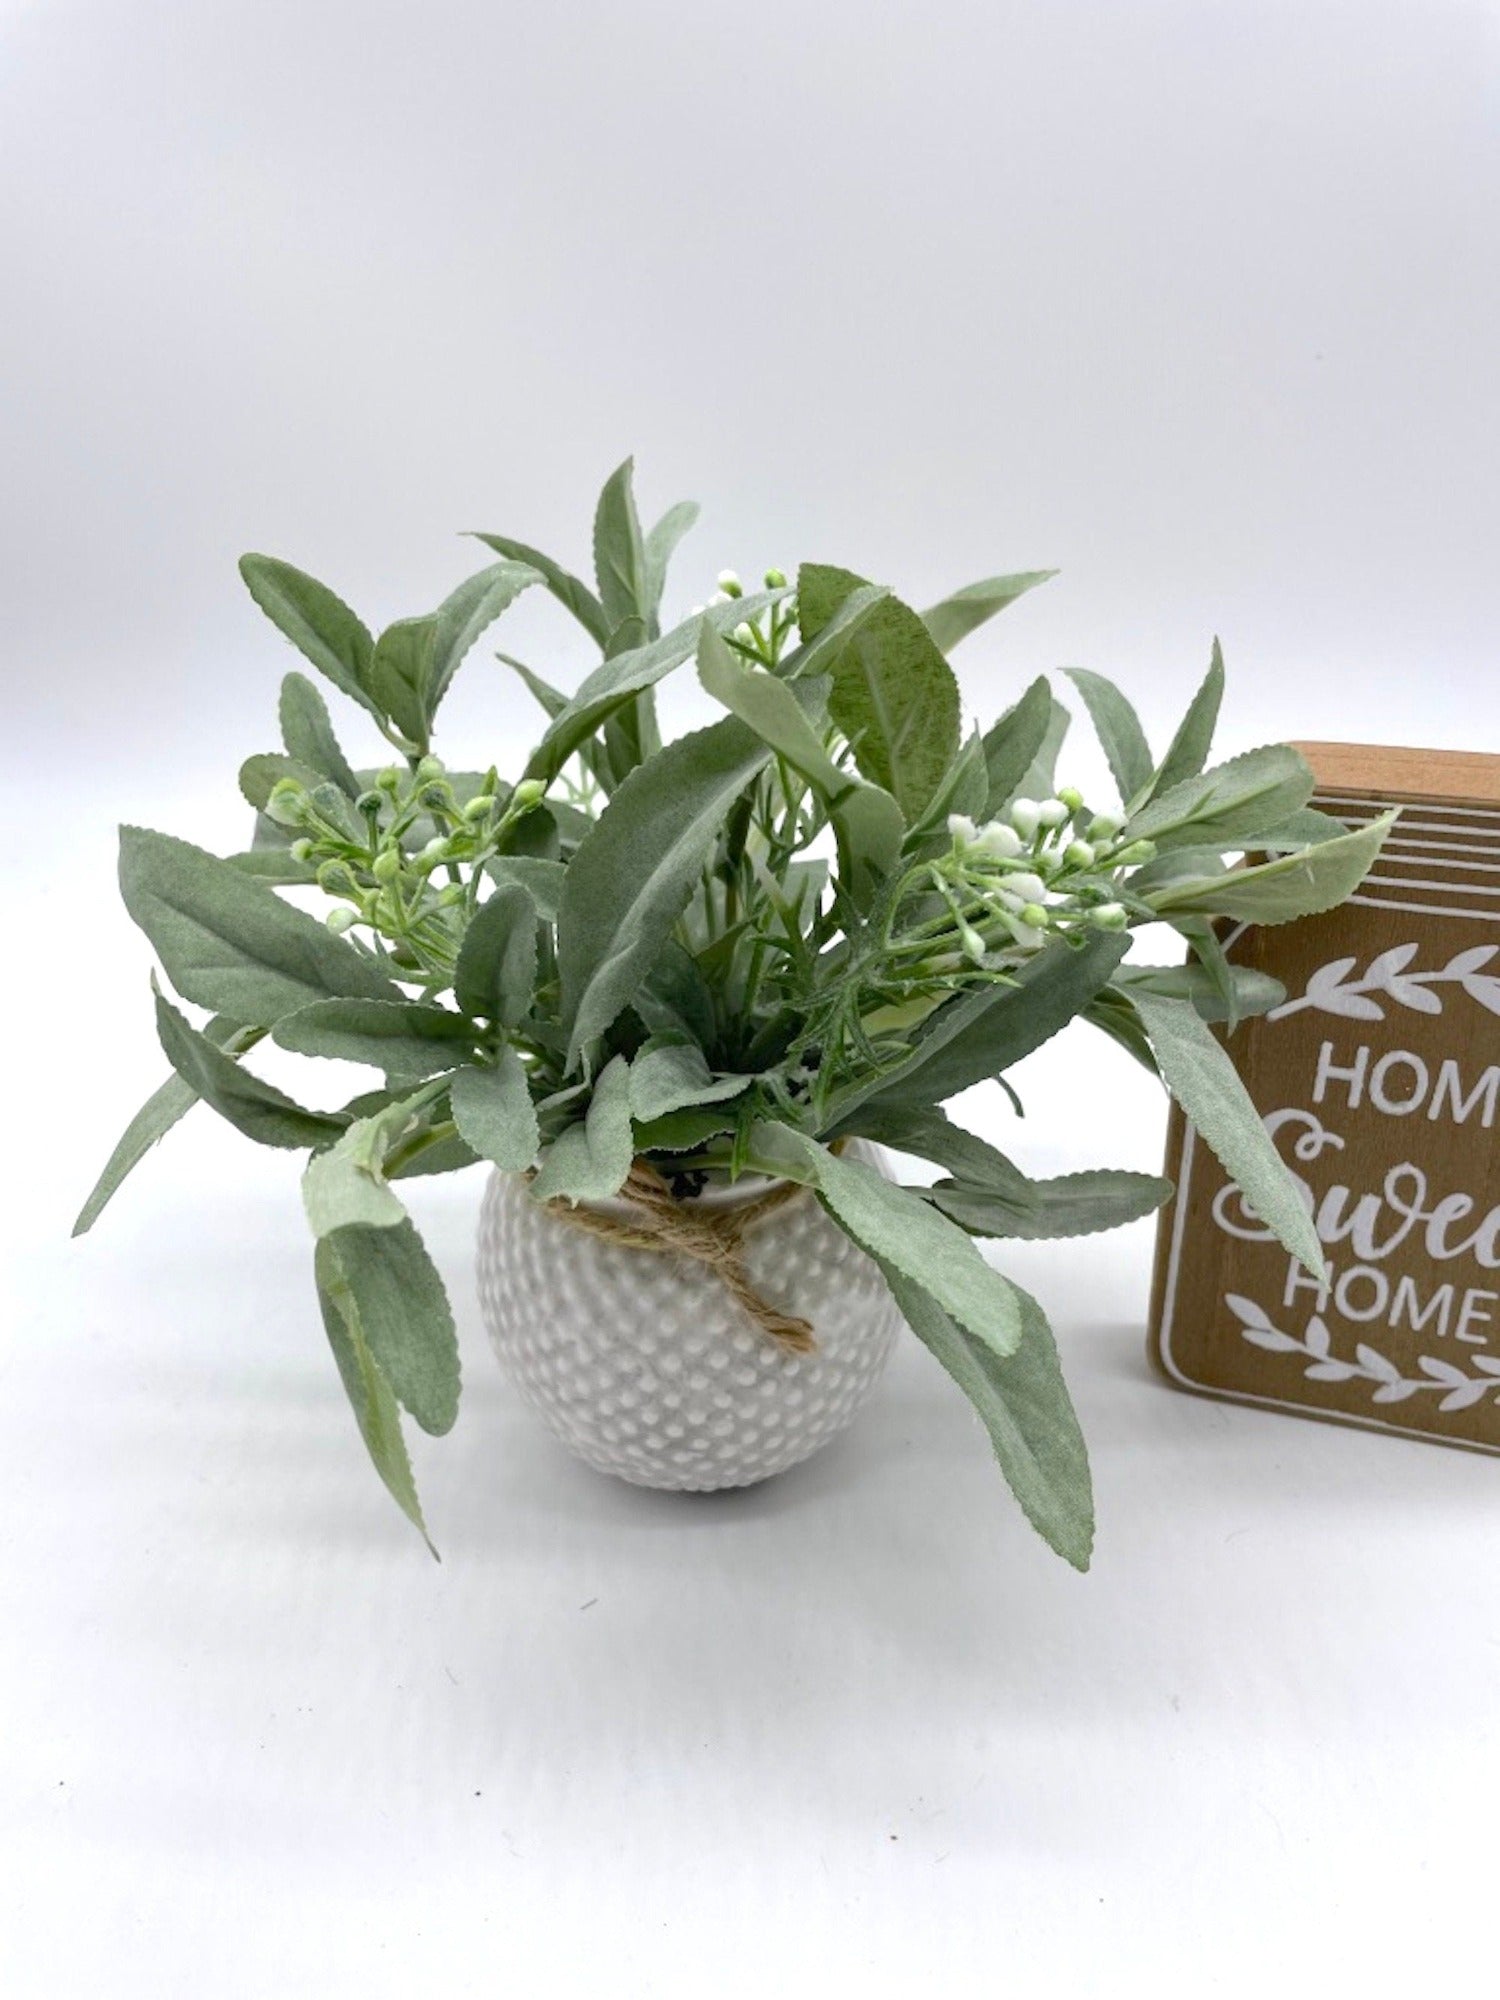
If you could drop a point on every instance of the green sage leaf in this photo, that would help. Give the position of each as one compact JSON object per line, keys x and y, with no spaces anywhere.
{"x":666,"y":1076}
{"x":404,"y":1316}
{"x":573,"y":594}
{"x":406,"y":1038}
{"x":1024,"y":1404}
{"x":1254,"y":992}
{"x":493,"y":1111}
{"x":496,"y":971}
{"x":631,"y":877}
{"x":967,"y":609}
{"x":321,"y":626}
{"x":167,"y":1104}
{"x":661,"y":546}
{"x":375,"y":1408}
{"x":1206,"y":1084}
{"x":1013,"y":744}
{"x":1241,"y":797}
{"x":1188,"y":751}
{"x":619,"y":552}
{"x":1119,"y":731}
{"x":590,"y":1161}
{"x":893,"y":696}
{"x":251,"y":1105}
{"x":1071,"y":1205}
{"x":904,"y":1232}
{"x":231,"y":944}
{"x":308,"y":735}
{"x":977,"y":1035}
{"x":1300,"y":884}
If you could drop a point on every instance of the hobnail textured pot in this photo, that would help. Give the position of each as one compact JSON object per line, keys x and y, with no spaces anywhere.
{"x":643,"y":1364}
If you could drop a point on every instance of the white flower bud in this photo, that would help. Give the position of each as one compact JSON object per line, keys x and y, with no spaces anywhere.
{"x":743,"y":634}
{"x":1025,"y":817}
{"x":1110,"y":916}
{"x":1104,"y":826}
{"x":340,"y":919}
{"x":995,"y":838}
{"x":963,"y":829}
{"x":1035,"y":915}
{"x":1029,"y":888}
{"x":729,"y":583}
{"x":1053,"y":812}
{"x":1078,"y":854}
{"x":972,"y":942}
{"x":1025,"y":935}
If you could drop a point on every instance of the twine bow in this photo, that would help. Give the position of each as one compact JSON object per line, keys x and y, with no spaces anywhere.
{"x":713,"y":1238}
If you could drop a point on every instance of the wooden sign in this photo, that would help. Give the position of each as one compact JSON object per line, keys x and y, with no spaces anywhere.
{"x":1379,"y":1081}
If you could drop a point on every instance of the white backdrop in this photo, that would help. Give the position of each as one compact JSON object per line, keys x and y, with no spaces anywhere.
{"x":1197,"y":302}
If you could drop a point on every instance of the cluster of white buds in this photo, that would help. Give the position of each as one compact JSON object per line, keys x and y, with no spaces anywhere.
{"x":1044,"y":864}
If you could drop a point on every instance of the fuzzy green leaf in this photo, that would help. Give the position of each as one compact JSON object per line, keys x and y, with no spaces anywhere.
{"x":1295,"y":885}
{"x":573,"y":594}
{"x":230,"y":943}
{"x":1241,"y":797}
{"x":252,"y":1106}
{"x":321,"y":626}
{"x":665,"y":1076}
{"x":1119,"y":731}
{"x":404,"y":1316}
{"x":405,"y":1038}
{"x":1188,"y":751}
{"x":462,"y":616}
{"x":621,"y":678}
{"x":895,"y":1225}
{"x":167,"y":1104}
{"x":661,"y":546}
{"x":493,"y":1111}
{"x":497,"y":960}
{"x":589,"y":1161}
{"x":929,"y":1134}
{"x":1012,"y":745}
{"x":1039,"y":780}
{"x":1254,"y":992}
{"x":1071,"y":1205}
{"x":631,"y":877}
{"x":894,"y":695}
{"x":375,"y":1408}
{"x":867,"y":817}
{"x":1025,"y":1407}
{"x":967,"y":609}
{"x":619,"y":551}
{"x":977,"y":1035}
{"x":308,"y":734}
{"x":1206,"y":1084}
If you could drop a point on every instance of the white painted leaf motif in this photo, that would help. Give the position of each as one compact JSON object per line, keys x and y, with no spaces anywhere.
{"x":1485,"y":991}
{"x":1246,"y":1310}
{"x":1330,"y":1371}
{"x":1443,"y":1371}
{"x":1395,"y":1392}
{"x":1326,"y":991}
{"x":1376,"y":1364}
{"x":1268,"y":1337}
{"x":1461,"y":1399}
{"x":1317,"y":1340}
{"x":1384,"y":968}
{"x":1410,"y":994}
{"x":1465,"y":962}
{"x":1487,"y":1363}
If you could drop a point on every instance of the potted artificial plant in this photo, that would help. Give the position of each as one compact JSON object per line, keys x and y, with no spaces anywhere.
{"x":677,"y":995}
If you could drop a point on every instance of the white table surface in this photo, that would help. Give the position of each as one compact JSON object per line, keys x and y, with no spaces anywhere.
{"x":856,"y":1725}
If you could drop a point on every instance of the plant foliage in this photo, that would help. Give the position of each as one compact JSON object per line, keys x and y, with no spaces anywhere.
{"x":820,"y":917}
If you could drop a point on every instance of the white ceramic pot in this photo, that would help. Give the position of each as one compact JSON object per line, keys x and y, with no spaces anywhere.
{"x":644,"y":1364}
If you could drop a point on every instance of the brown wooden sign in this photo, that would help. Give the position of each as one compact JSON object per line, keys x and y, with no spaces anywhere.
{"x":1379,"y":1081}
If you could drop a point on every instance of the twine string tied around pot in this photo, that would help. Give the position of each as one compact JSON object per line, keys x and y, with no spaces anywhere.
{"x":713,"y":1238}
